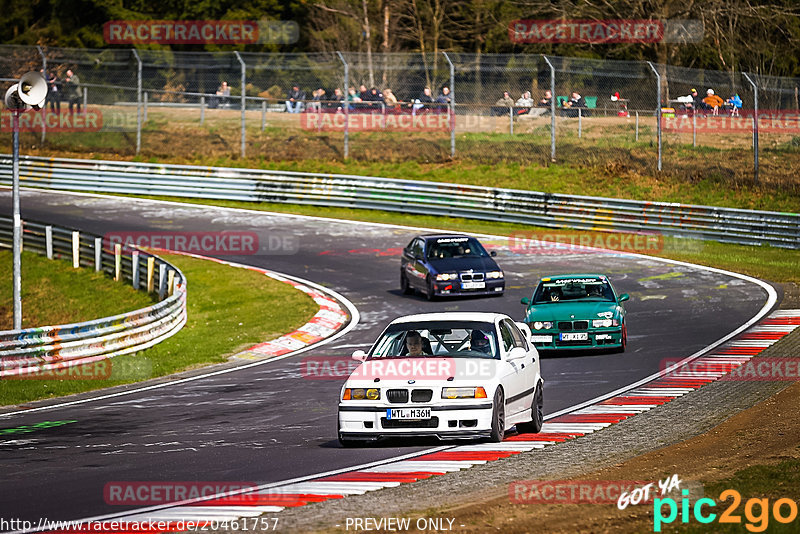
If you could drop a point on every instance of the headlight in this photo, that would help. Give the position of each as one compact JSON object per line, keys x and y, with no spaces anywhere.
{"x":494,"y":274}
{"x":464,"y":393}
{"x":548,"y":324}
{"x":538,"y":325}
{"x":602,"y":323}
{"x":446,"y":276}
{"x":361,"y":394}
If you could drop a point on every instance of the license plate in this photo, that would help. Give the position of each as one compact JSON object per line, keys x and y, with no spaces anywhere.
{"x":473,"y":285}
{"x":408,"y":413}
{"x":542,"y":339}
{"x":574,"y":336}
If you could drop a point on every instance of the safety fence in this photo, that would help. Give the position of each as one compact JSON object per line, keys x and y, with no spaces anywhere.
{"x":410,"y":196}
{"x":525,"y":108}
{"x":50,"y":350}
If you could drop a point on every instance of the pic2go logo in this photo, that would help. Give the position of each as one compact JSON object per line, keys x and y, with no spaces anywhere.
{"x":756,"y":511}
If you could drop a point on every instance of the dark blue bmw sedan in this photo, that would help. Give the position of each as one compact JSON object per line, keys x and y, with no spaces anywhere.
{"x":449,"y":265}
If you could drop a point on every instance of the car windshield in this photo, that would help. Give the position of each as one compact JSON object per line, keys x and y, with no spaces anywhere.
{"x":573,"y":289}
{"x":455,"y":247}
{"x":452,"y":339}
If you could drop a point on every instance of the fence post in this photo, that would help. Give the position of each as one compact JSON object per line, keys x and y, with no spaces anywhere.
{"x":117,"y":261}
{"x":85,"y":99}
{"x":346,"y":106}
{"x":151,"y":264}
{"x":452,"y":106}
{"x":263,"y":115}
{"x":580,"y":123}
{"x":755,"y":127}
{"x":144,"y":106}
{"x":135,"y":269}
{"x":98,"y":253}
{"x":170,"y":282}
{"x":658,"y":110}
{"x":48,"y":241}
{"x":44,"y":109}
{"x":138,"y":100}
{"x":76,"y":249}
{"x":244,"y":96}
{"x":511,"y":120}
{"x":162,"y":281}
{"x":552,"y":109}
{"x":637,"y":126}
{"x":202,"y":110}
{"x":694,"y":127}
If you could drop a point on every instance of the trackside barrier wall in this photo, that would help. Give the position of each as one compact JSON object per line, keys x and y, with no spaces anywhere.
{"x":33,"y":350}
{"x":729,"y":225}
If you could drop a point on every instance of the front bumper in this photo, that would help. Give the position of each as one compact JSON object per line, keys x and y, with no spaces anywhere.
{"x":447,"y":422}
{"x":452,"y":288}
{"x":600,"y":338}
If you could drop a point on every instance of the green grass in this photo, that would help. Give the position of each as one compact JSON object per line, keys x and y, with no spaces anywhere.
{"x":770,"y":263}
{"x":229,"y":309}
{"x":770,"y":482}
{"x":55,"y":293}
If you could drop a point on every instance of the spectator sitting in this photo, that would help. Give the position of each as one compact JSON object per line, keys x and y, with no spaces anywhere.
{"x":524,"y":103}
{"x":336,"y":102}
{"x":714,"y":102}
{"x":375,"y":99}
{"x":294,"y":100}
{"x":363,"y":93}
{"x":503,"y":104}
{"x":352,"y":98}
{"x":734,"y":104}
{"x":546,"y":100}
{"x":390,"y":99}
{"x":444,"y":98}
{"x":574,"y":103}
{"x":425,"y":99}
{"x":697,"y":103}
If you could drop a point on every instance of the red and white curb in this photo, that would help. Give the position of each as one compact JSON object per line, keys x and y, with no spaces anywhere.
{"x":273,"y":498}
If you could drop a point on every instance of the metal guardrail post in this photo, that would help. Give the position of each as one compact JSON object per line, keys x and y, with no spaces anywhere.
{"x":346,"y":105}
{"x":44,"y":109}
{"x":135,"y":269}
{"x":98,"y":253}
{"x":76,"y":250}
{"x":552,"y":109}
{"x":117,"y":262}
{"x":48,"y":242}
{"x":755,"y":127}
{"x":138,"y":100}
{"x":658,"y":109}
{"x":452,"y":106}
{"x":244,"y":97}
{"x":150,"y":272}
{"x":162,"y":281}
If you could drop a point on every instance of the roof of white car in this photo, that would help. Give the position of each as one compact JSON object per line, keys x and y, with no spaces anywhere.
{"x":451,"y":316}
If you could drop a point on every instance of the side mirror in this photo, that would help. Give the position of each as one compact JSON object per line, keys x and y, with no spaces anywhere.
{"x":525,"y":329}
{"x":624,"y":297}
{"x":517,"y":353}
{"x":493,"y":253}
{"x":360,"y":356}
{"x":526,"y":301}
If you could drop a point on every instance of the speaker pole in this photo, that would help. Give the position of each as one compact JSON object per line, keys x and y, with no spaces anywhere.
{"x":17,"y":246}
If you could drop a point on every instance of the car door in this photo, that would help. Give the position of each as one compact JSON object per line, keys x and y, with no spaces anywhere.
{"x":515,"y":382}
{"x":412,"y":263}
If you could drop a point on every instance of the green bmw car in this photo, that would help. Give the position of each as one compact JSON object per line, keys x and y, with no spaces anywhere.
{"x":577,"y":311}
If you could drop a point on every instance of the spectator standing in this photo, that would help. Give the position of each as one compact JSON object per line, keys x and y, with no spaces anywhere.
{"x":294,"y":100}
{"x":72,"y":90}
{"x":54,"y":92}
{"x":713,"y":101}
{"x":224,"y":94}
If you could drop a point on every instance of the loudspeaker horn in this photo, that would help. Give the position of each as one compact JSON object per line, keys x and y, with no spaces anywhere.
{"x":33,"y":89}
{"x":12,"y":98}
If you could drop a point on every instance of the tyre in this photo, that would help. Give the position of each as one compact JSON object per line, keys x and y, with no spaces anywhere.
{"x":624,"y":339}
{"x":537,"y":414}
{"x":404,"y":287}
{"x":498,"y":417}
{"x":430,"y":293}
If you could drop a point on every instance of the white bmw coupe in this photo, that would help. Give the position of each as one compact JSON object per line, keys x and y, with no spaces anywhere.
{"x":450,"y":375}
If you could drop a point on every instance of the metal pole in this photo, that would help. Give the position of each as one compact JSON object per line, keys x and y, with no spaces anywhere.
{"x":202,"y":109}
{"x":637,"y":126}
{"x":694,"y":127}
{"x":552,"y":109}
{"x":44,"y":109}
{"x":346,"y":107}
{"x":17,"y":245}
{"x":138,"y":101}
{"x":263,"y":115}
{"x":85,"y":99}
{"x":144,"y":107}
{"x":580,"y":123}
{"x":452,"y":106}
{"x":244,"y":96}
{"x":755,"y":127}
{"x":511,"y":120}
{"x":658,"y":110}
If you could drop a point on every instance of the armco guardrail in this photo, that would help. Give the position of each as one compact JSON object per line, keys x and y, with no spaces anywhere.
{"x":41,"y":351}
{"x":411,"y":196}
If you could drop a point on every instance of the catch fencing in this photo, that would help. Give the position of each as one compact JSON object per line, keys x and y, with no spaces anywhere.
{"x":410,"y":196}
{"x":50,"y":350}
{"x":631,"y":113}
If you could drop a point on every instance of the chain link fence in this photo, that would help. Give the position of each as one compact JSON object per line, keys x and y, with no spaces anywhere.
{"x":424,"y":107}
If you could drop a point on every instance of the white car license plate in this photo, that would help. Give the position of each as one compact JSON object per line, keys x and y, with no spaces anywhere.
{"x":574,"y":336}
{"x":408,"y":413}
{"x":542,"y":339}
{"x":473,"y":285}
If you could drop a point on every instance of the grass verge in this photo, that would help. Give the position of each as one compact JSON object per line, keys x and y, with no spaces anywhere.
{"x":228,"y":309}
